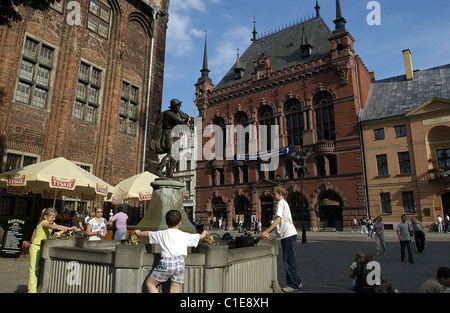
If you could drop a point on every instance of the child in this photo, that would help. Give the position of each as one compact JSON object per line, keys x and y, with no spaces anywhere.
{"x":174,"y":245}
{"x":42,"y":232}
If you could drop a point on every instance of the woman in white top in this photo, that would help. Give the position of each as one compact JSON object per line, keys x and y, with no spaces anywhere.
{"x":96,"y":228}
{"x":287,"y":234}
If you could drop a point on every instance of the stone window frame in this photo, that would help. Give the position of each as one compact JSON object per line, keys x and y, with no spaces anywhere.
{"x":324,"y":101}
{"x":39,"y":75}
{"x":83,"y":104}
{"x":128,"y":100}
{"x":22,"y":156}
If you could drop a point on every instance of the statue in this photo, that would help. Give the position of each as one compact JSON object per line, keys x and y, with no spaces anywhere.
{"x":162,"y":139}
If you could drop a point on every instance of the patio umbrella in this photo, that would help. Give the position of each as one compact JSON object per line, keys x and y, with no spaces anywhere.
{"x":55,"y":178}
{"x":136,"y":188}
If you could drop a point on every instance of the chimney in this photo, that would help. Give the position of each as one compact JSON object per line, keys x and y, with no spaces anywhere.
{"x":408,"y":64}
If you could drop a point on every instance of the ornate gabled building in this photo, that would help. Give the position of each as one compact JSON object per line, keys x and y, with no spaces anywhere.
{"x":81,"y":82}
{"x":305,"y":81}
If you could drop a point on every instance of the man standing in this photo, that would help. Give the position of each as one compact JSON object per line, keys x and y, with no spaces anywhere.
{"x":419,"y":234}
{"x":404,"y":235}
{"x":287,"y":234}
{"x":76,"y":221}
{"x":121,"y":224}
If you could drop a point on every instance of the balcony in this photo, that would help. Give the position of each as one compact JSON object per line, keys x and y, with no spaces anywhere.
{"x":439,"y":174}
{"x":325,"y":147}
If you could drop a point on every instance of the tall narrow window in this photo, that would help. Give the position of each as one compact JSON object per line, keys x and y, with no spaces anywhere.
{"x":404,"y":163}
{"x":325,"y":124}
{"x":408,"y":202}
{"x":382,"y":165}
{"x":88,"y":93}
{"x":266,"y":120}
{"x":35,"y":71}
{"x":128,"y":110}
{"x":385,"y":198}
{"x":295,"y":123}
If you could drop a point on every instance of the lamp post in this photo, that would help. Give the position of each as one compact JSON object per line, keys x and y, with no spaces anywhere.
{"x":299,"y":157}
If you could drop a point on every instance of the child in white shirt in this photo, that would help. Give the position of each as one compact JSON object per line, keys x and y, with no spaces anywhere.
{"x":174,"y":244}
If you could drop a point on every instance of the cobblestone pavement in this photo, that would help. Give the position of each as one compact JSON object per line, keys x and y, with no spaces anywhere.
{"x":323,"y":262}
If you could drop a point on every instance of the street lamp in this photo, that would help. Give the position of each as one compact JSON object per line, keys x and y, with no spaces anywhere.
{"x":301,"y":168}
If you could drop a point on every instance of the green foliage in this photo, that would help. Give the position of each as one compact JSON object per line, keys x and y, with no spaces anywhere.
{"x":9,"y":13}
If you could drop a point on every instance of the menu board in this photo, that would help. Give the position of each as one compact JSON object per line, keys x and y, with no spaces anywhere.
{"x":13,"y":238}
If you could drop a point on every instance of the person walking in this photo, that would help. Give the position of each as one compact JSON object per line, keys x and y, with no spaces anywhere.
{"x":363,"y":225}
{"x":287,"y":234}
{"x":439,"y":224}
{"x":121,"y":224}
{"x":419,"y":234}
{"x":404,"y":231}
{"x":355,"y":224}
{"x":379,"y":236}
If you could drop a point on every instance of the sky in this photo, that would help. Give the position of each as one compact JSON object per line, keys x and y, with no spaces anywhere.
{"x":418,"y":25}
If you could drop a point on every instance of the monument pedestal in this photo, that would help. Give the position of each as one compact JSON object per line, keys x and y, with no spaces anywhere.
{"x":166,"y":196}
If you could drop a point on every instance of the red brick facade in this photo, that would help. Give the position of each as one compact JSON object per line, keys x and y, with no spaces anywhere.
{"x":334,"y":187}
{"x":62,"y":85}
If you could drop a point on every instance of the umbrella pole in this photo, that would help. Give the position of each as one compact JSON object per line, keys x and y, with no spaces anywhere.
{"x":54,"y":198}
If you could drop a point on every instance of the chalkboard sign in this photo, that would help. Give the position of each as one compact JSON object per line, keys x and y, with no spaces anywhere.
{"x":13,"y":238}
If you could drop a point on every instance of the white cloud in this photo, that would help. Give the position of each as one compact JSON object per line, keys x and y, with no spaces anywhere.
{"x":225,"y":54}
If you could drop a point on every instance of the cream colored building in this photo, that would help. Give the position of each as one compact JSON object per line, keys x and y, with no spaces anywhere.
{"x":406,"y":133}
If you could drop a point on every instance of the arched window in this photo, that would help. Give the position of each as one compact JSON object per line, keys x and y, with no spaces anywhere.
{"x":295,"y":123}
{"x":265,"y":117}
{"x":220,"y":121}
{"x":325,"y":124}
{"x":241,"y":118}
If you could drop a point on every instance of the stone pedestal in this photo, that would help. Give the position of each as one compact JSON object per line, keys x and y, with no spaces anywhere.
{"x":166,"y":196}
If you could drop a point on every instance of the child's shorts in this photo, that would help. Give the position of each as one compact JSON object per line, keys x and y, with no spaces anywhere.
{"x":172,"y":268}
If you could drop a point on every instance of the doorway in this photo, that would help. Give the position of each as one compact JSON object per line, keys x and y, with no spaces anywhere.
{"x":266,"y":211}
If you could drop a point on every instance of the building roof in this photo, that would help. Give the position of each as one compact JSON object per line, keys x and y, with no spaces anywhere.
{"x":283,"y":49}
{"x":392,"y":96}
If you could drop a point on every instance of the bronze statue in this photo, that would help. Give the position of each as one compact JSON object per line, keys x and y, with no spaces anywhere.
{"x":162,"y":139}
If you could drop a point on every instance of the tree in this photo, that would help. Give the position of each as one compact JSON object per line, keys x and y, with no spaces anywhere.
{"x":9,"y":12}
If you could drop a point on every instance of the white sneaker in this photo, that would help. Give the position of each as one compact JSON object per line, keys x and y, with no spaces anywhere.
{"x":288,"y":289}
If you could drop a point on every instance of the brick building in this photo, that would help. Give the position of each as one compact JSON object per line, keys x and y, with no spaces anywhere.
{"x":406,"y":125}
{"x":79,"y":83}
{"x":308,"y":81}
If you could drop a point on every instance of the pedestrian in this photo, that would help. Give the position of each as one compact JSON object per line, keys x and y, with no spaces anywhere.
{"x":259,"y":226}
{"x":379,"y":236}
{"x":287,"y":234}
{"x":240,"y":226}
{"x":76,"y":221}
{"x":42,"y":232}
{"x":437,"y":284}
{"x":359,"y":257}
{"x":446,"y":223}
{"x":363,"y":225}
{"x":404,"y":231}
{"x":419,"y":234}
{"x":96,"y":228}
{"x":370,"y":225}
{"x":439,"y":224}
{"x":174,"y":244}
{"x":355,"y":224}
{"x":121,"y":224}
{"x":365,"y":282}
